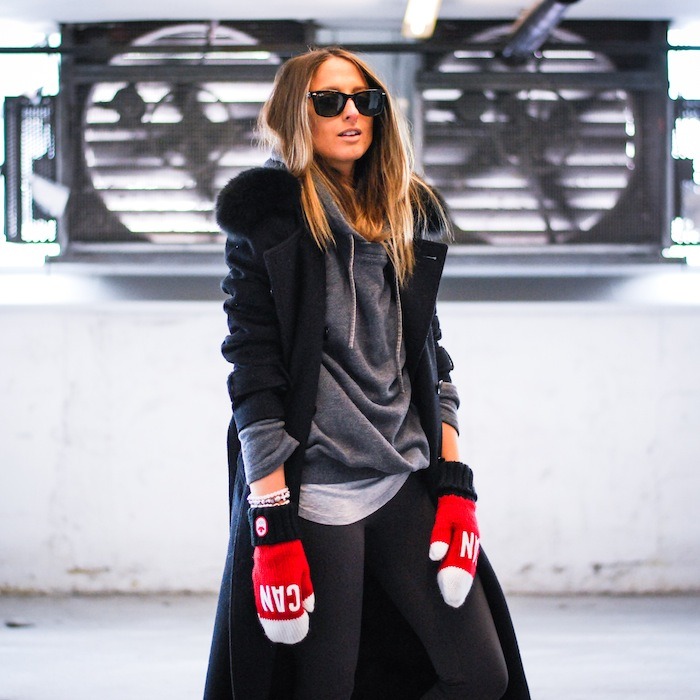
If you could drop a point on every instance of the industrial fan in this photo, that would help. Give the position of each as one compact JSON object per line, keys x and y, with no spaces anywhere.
{"x":543,"y":152}
{"x":161,"y":137}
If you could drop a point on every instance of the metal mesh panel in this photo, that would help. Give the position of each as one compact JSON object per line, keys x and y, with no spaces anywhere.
{"x":565,"y":149}
{"x":164,"y":121}
{"x":32,"y":197}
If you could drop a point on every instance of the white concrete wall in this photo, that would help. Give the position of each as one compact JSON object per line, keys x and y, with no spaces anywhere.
{"x":580,"y":420}
{"x":112,"y":447}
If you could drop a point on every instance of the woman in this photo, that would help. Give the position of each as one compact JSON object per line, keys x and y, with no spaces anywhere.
{"x":354,"y":540}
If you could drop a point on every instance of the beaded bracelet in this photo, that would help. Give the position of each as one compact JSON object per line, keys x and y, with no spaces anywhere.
{"x":276,"y":498}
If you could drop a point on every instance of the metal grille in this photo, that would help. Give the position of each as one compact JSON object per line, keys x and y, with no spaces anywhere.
{"x":165,"y":122}
{"x":33,"y":200}
{"x":550,"y":153}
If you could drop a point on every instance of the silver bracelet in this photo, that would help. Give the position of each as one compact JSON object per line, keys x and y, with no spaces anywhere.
{"x":276,"y":498}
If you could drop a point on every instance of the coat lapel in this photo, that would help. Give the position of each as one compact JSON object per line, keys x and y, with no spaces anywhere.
{"x":298,"y":283}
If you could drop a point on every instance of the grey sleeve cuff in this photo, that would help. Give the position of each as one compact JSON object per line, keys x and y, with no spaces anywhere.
{"x":449,"y":403}
{"x":265,"y":445}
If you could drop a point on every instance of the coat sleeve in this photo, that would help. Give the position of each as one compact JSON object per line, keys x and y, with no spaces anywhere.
{"x":443,"y":359}
{"x":436,"y":228}
{"x":256,"y":210}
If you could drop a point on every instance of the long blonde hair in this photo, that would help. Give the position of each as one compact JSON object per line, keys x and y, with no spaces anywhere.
{"x":387,"y":201}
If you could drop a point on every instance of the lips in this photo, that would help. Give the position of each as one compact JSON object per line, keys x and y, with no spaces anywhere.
{"x":350,"y":132}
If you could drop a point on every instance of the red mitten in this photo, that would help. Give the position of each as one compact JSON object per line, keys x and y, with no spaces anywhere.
{"x":454,"y":541}
{"x":281,"y":580}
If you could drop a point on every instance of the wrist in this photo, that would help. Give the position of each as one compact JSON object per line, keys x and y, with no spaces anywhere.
{"x":274,"y":481}
{"x":450,"y":442}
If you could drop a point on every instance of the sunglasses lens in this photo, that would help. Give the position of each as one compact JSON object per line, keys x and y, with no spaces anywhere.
{"x":328,"y":104}
{"x":370,"y":103}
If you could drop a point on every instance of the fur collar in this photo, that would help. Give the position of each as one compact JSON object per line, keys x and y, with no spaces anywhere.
{"x":266,"y":192}
{"x":257,"y":194}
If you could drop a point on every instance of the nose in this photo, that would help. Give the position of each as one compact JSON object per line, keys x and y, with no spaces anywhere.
{"x":350,"y":110}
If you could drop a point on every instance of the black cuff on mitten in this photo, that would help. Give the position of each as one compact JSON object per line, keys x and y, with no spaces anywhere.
{"x":454,"y":478}
{"x":273,"y":524}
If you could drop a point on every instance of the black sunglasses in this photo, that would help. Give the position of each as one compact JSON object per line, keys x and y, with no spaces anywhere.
{"x":330,"y":103}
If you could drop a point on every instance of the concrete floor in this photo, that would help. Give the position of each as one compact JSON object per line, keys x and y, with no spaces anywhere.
{"x":148,"y":648}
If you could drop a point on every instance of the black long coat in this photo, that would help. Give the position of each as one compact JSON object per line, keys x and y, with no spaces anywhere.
{"x":276,"y":310}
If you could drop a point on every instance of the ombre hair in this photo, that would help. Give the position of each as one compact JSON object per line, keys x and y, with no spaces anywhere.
{"x":387,"y":201}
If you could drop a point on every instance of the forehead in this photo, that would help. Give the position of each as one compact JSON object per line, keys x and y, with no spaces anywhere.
{"x":336,"y":72}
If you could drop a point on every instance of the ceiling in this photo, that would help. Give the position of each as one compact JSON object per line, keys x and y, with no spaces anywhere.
{"x":375,"y":13}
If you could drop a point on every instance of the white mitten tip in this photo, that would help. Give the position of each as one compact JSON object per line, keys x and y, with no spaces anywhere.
{"x":309,"y":603}
{"x":454,"y":584}
{"x":286,"y":631}
{"x":438,"y":550}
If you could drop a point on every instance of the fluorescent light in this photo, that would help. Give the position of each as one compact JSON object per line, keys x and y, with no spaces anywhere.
{"x":419,"y":20}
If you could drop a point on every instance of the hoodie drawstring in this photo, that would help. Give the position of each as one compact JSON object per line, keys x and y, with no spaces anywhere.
{"x":399,"y":335}
{"x":353,"y":292}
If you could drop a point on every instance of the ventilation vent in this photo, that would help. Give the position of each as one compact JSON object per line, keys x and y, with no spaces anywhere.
{"x":33,"y":200}
{"x":160,"y":143}
{"x":539,"y":154}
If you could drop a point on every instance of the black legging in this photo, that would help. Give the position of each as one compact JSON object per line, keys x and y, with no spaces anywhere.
{"x":462,"y":643}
